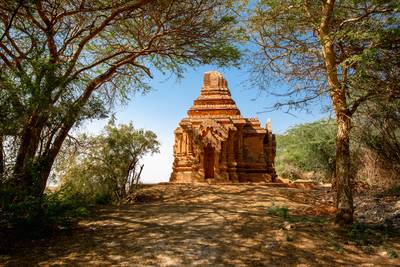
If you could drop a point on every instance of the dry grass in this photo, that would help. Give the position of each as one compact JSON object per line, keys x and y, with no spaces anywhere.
{"x":214,"y":225}
{"x":378,"y":173}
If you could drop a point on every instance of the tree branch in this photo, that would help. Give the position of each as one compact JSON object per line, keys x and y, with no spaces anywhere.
{"x":359,"y":101}
{"x":8,"y":26}
{"x":367,"y":13}
{"x":97,"y":30}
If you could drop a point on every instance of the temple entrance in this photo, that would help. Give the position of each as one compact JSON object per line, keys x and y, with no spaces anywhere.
{"x":208,"y":162}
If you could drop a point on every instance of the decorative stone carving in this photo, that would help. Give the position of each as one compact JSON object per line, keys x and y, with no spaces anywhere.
{"x":216,"y":144}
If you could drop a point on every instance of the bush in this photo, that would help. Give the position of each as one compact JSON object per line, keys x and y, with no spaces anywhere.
{"x":36,"y":217}
{"x":103,"y":198}
{"x":6,"y":195}
{"x":106,"y":167}
{"x":278,"y":211}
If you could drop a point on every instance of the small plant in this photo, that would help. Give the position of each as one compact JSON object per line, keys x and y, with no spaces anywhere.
{"x":359,"y":233}
{"x":368,"y":249}
{"x":392,"y":254}
{"x":338,"y":248}
{"x":289,"y":238}
{"x":278,"y":211}
{"x":395,"y":191}
{"x":356,"y":233}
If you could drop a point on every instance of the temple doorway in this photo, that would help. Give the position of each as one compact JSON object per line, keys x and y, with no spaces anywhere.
{"x":208,"y":162}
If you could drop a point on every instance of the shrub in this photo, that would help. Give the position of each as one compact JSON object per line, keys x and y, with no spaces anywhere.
{"x":278,"y":211}
{"x":36,"y":217}
{"x":106,"y":167}
{"x":103,"y":198}
{"x":307,"y":151}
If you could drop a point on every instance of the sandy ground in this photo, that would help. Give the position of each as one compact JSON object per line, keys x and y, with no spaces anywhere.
{"x":214,"y":225}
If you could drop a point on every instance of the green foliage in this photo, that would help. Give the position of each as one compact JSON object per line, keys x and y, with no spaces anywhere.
{"x":364,"y":36}
{"x":307,"y":151}
{"x":307,"y":148}
{"x":338,"y":248}
{"x":345,"y":50}
{"x":392,"y":254}
{"x":53,"y":78}
{"x":106,"y":167}
{"x":6,"y":195}
{"x":395,"y":191}
{"x":377,"y":140}
{"x":41,"y":216}
{"x":278,"y":211}
{"x":358,"y":233}
{"x":369,"y":235}
{"x":103,"y":198}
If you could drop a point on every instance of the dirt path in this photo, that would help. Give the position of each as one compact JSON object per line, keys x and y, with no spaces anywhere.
{"x":229,"y":225}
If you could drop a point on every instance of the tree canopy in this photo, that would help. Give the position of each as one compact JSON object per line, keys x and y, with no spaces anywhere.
{"x":67,"y":61}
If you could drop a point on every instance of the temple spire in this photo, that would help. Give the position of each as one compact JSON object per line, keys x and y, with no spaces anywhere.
{"x":214,"y":79}
{"x":215,"y":98}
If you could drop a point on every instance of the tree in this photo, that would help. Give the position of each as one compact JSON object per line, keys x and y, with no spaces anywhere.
{"x":65,"y":61}
{"x":108,"y":163}
{"x":322,"y":48}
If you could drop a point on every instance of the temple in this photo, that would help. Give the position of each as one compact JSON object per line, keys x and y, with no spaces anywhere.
{"x":215,"y":144}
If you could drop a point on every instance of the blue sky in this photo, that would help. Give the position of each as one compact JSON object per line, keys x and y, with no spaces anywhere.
{"x":161,"y":109}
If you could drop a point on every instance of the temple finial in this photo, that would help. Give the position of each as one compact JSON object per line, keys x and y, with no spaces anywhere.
{"x":214,"y":79}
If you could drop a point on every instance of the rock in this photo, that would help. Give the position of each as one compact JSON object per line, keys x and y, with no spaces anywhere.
{"x":287,"y":226}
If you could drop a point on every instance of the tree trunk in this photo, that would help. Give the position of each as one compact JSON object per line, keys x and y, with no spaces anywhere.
{"x":1,"y":159}
{"x":31,"y":171}
{"x":24,"y":168}
{"x":47,"y":160}
{"x":344,"y":197}
{"x":24,"y":176}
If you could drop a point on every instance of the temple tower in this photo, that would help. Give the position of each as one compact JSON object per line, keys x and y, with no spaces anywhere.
{"x":216,"y":144}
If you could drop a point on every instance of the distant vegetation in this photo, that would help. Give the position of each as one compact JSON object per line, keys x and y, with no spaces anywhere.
{"x":307,"y":151}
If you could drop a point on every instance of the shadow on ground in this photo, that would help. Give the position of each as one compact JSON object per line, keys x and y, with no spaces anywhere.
{"x":227,"y":225}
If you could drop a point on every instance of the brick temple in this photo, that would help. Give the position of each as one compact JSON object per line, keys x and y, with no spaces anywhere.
{"x":216,"y":144}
